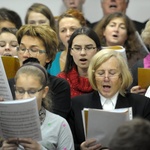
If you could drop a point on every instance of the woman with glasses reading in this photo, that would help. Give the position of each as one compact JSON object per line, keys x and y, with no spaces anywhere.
{"x":110,"y":77}
{"x":83,"y":44}
{"x":31,"y":80}
{"x":41,"y":42}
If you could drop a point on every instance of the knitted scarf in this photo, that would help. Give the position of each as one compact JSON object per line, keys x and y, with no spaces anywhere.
{"x":78,"y":84}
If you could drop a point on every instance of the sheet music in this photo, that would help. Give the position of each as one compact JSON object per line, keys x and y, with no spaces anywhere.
{"x":102,"y":124}
{"x":20,"y":119}
{"x":5,"y":91}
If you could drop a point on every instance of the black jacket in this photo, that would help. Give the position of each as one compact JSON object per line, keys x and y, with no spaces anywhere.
{"x":139,"y":103}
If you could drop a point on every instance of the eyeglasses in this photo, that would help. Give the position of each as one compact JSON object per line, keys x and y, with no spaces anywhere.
{"x":86,"y":48}
{"x":32,"y":51}
{"x":31,"y":92}
{"x":109,"y":75}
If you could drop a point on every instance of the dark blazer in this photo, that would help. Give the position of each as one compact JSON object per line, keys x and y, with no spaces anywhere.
{"x":134,"y":71}
{"x":60,"y":92}
{"x":139,"y":103}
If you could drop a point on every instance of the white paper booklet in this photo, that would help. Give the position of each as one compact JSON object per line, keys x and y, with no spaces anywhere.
{"x":20,"y":119}
{"x":5,"y":91}
{"x":147,"y":94}
{"x":101,"y":124}
{"x":119,"y":49}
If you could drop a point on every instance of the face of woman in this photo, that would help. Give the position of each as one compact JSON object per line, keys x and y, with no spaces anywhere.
{"x":107,"y":78}
{"x":37,"y":19}
{"x":83,"y":50}
{"x":8,"y":44}
{"x":32,"y":47}
{"x":115,"y":32}
{"x":7,"y":24}
{"x":28,"y":86}
{"x":67,"y":26}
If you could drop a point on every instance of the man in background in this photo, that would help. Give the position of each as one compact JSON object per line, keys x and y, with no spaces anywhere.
{"x":111,"y":6}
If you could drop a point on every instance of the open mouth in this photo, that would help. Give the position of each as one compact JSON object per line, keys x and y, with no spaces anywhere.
{"x":7,"y":55}
{"x":113,"y":6}
{"x":106,"y":86}
{"x":115,"y":35}
{"x":83,"y":59}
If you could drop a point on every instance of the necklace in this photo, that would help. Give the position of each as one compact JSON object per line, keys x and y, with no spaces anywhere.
{"x":42,"y":115}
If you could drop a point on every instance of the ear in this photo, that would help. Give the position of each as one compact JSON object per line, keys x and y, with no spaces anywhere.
{"x":71,"y":52}
{"x":104,"y":33}
{"x":45,"y":91}
{"x":48,"y":60}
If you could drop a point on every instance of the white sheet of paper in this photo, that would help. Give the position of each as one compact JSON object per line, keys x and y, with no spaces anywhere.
{"x":147,"y":94}
{"x":5,"y":91}
{"x":20,"y":119}
{"x":102,"y":124}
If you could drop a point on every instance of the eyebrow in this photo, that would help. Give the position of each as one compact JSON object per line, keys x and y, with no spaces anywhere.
{"x":84,"y":45}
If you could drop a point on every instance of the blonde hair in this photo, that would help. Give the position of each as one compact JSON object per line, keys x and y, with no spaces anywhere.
{"x":102,"y":56}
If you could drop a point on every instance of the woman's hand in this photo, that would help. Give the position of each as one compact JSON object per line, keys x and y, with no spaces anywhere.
{"x":28,"y":143}
{"x":138,"y":90}
{"x":1,"y":99}
{"x":10,"y":144}
{"x":90,"y":144}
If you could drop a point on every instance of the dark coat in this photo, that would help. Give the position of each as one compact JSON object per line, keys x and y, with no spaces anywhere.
{"x":139,"y":103}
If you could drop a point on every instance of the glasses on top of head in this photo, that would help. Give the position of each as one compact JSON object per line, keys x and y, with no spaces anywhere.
{"x":31,"y":92}
{"x":33,"y":51}
{"x":86,"y":48}
{"x":110,"y":74}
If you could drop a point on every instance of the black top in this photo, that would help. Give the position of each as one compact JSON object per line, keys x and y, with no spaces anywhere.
{"x":60,"y":92}
{"x":139,"y":103}
{"x":134,"y":71}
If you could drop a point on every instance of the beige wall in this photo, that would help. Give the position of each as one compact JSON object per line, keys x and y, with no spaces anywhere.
{"x":138,"y":9}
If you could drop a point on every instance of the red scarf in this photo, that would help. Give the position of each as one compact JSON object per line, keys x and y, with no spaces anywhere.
{"x":78,"y":84}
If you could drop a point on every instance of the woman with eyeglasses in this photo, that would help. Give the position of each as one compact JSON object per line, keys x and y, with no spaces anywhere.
{"x":83,"y":44}
{"x":110,"y":77}
{"x":41,"y":42}
{"x":31,"y":80}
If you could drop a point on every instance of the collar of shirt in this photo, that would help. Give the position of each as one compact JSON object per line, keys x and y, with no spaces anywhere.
{"x":113,"y":99}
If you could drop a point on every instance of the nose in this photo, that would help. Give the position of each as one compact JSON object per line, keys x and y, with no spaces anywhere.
{"x":116,"y":28}
{"x":7,"y":47}
{"x":25,"y":96}
{"x":106,"y":76}
{"x":83,"y":51}
{"x":26,"y":53}
{"x":36,"y":23}
{"x":68,"y":33}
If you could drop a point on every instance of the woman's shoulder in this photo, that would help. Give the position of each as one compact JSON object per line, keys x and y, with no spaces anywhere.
{"x":54,"y":118}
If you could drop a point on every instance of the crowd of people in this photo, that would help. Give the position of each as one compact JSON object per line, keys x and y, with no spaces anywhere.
{"x":63,"y":63}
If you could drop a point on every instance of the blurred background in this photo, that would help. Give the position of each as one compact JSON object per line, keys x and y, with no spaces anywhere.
{"x":137,"y":10}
